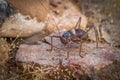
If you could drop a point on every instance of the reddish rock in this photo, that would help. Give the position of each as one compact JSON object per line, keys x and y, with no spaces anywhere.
{"x":94,"y":61}
{"x":18,"y":25}
{"x":95,"y":57}
{"x":32,"y":8}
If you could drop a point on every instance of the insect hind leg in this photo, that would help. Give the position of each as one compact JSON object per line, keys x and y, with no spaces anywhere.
{"x":78,"y":23}
{"x":96,"y":34}
{"x":92,"y":25}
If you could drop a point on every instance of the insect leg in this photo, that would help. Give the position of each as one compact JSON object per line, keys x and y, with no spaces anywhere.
{"x":68,"y":52}
{"x":51,"y":43}
{"x":92,"y":25}
{"x":51,"y":38}
{"x":45,"y":41}
{"x":80,"y":50}
{"x":78,"y":23}
{"x":96,"y":35}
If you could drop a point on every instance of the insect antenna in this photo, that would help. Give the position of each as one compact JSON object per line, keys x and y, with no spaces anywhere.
{"x":55,"y":24}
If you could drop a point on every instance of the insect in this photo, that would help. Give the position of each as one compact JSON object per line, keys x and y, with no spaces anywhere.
{"x":75,"y":35}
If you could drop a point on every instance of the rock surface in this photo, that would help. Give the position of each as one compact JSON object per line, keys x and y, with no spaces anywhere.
{"x":18,"y":25}
{"x":106,"y":18}
{"x":111,"y":34}
{"x":67,"y":18}
{"x":95,"y":59}
{"x":32,"y":8}
{"x":99,"y":58}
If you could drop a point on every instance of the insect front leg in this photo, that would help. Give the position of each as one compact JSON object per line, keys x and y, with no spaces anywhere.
{"x":51,"y":38}
{"x":80,"y":50}
{"x":68,"y":52}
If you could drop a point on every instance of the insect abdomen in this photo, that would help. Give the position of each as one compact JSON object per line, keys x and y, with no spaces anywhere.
{"x":80,"y":33}
{"x":79,"y":36}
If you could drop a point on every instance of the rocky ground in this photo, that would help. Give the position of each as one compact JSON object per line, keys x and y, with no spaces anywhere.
{"x":24,"y":55}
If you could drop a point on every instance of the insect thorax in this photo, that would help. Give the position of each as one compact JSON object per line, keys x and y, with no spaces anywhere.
{"x":73,"y":35}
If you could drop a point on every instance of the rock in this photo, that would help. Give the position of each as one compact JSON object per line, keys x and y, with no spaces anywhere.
{"x":111,"y":34}
{"x":4,"y":51}
{"x":98,"y":58}
{"x":18,"y":25}
{"x":55,"y":3}
{"x":67,"y":18}
{"x":31,"y":8}
{"x":93,"y":62}
{"x":35,"y":39}
{"x":65,"y":23}
{"x":101,"y":57}
{"x":106,"y":16}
